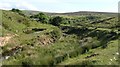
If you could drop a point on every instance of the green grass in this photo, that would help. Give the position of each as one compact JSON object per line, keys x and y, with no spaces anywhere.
{"x":102,"y":59}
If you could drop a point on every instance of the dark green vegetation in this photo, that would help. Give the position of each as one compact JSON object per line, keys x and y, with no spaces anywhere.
{"x":41,"y":17}
{"x":41,"y":39}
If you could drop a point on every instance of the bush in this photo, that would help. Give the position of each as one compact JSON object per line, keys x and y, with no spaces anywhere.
{"x":73,"y":54}
{"x":17,"y":11}
{"x":56,"y":34}
{"x":27,"y":62}
{"x":56,"y":21}
{"x":41,"y":17}
{"x":58,"y":59}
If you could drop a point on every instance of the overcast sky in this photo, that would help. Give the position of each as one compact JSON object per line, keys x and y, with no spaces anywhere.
{"x":62,"y":5}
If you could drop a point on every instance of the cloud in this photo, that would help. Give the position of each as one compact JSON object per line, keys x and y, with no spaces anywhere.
{"x":61,"y":5}
{"x":48,"y":1}
{"x":26,"y":5}
{"x":20,"y":4}
{"x":5,"y":5}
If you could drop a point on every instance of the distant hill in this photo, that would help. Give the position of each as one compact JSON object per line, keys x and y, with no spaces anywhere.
{"x":30,"y":12}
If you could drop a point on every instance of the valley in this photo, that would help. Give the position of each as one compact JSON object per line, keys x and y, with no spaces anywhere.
{"x":40,"y":38}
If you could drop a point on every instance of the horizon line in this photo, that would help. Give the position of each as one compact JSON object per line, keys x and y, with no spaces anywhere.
{"x":62,"y":12}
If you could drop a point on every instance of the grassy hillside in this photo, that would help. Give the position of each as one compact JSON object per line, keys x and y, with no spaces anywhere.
{"x":79,"y":40}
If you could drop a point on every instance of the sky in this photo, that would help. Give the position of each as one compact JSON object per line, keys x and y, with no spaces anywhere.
{"x":61,"y":6}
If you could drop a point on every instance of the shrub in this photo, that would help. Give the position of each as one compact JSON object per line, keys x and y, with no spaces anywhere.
{"x":27,"y":62}
{"x":73,"y":54}
{"x":58,"y":59}
{"x":56,"y":34}
{"x":56,"y":21}
{"x":41,"y":17}
{"x":17,"y":11}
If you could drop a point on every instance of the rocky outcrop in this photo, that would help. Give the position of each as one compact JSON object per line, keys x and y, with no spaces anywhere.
{"x":45,"y":40}
{"x":6,"y":39}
